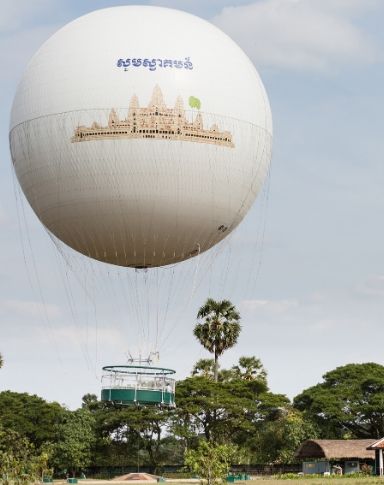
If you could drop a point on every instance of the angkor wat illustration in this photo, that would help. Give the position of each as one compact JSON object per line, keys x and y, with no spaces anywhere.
{"x":155,"y":121}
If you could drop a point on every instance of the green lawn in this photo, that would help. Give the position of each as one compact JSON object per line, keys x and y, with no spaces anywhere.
{"x":315,"y":481}
{"x":257,"y":481}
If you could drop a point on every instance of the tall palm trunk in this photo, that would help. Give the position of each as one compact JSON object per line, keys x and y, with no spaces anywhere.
{"x":216,"y":367}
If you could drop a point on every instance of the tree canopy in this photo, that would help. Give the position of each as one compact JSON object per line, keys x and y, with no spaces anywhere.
{"x":349,"y":403}
{"x":74,"y":440}
{"x":229,"y":411}
{"x":19,"y":460}
{"x":30,"y":416}
{"x":281,"y":435}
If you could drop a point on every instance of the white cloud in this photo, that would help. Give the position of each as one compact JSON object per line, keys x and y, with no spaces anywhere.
{"x":334,"y":308}
{"x":24,"y":26}
{"x":202,"y":8}
{"x":72,"y":333}
{"x":372,"y":288}
{"x":300,"y":34}
{"x":30,"y":309}
{"x":348,"y":7}
{"x":274,"y":307}
{"x":298,"y":340}
{"x":17,"y":48}
{"x":14,"y":13}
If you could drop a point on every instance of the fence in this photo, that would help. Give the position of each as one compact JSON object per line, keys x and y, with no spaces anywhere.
{"x":256,"y":469}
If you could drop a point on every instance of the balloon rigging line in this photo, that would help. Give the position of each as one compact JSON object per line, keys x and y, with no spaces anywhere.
{"x":46,"y":319}
{"x":265,"y":205}
{"x":192,"y":293}
{"x":71,"y":300}
{"x":212,"y":256}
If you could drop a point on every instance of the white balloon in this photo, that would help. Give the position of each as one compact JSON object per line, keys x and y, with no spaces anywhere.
{"x":140,"y":135}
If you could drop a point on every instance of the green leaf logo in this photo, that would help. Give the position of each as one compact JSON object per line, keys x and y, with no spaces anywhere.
{"x":194,"y":102}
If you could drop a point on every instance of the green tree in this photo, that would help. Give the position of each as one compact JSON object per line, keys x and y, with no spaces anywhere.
{"x":218,"y":328}
{"x":128,"y":433}
{"x":91,"y":402}
{"x":231,"y":410}
{"x":348,"y":403}
{"x":250,"y":369}
{"x":224,"y":412}
{"x":204,"y":368}
{"x":1,"y":361}
{"x":206,"y":407}
{"x":20,"y":463}
{"x":278,"y":438}
{"x":210,"y":461}
{"x":30,"y":416}
{"x":75,"y":438}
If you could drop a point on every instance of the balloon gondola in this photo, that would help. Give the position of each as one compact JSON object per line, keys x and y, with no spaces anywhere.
{"x":138,"y":385}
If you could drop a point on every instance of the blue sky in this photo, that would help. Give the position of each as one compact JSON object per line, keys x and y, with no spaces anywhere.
{"x":317,"y":300}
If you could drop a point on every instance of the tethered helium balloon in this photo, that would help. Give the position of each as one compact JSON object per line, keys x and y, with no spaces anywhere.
{"x":140,"y":135}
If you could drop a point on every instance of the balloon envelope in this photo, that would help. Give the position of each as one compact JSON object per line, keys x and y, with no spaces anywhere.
{"x":140,"y":135}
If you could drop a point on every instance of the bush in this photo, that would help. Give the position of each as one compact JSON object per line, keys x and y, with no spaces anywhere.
{"x":210,"y":461}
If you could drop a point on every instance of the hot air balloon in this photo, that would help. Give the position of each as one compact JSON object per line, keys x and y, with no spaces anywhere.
{"x":140,"y":137}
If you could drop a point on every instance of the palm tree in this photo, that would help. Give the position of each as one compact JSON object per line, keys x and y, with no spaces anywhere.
{"x":250,"y":369}
{"x":204,"y":368}
{"x":218,"y":329}
{"x":89,"y":401}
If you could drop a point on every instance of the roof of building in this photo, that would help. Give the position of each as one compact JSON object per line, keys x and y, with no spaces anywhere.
{"x":335,"y":449}
{"x":377,"y":445}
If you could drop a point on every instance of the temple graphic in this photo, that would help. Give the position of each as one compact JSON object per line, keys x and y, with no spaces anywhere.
{"x":155,"y":121}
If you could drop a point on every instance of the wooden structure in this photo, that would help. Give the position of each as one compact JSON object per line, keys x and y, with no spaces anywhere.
{"x":327,"y":456}
{"x":378,"y":447}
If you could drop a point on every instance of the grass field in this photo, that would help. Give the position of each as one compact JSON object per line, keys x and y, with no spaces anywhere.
{"x":316,"y":481}
{"x":258,"y":481}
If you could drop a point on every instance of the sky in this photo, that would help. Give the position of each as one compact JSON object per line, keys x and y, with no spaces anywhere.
{"x":305,"y":268}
